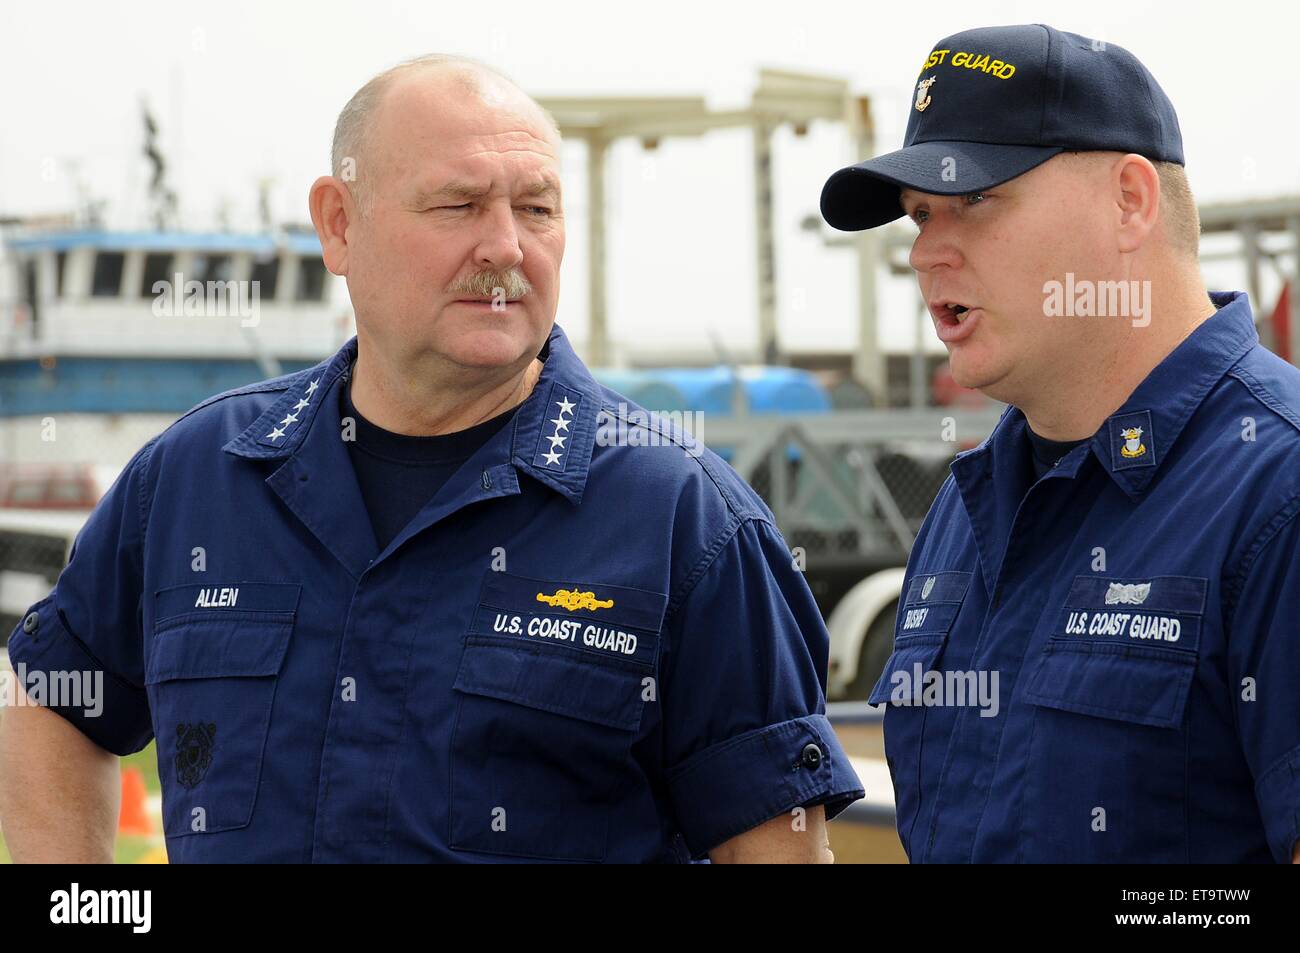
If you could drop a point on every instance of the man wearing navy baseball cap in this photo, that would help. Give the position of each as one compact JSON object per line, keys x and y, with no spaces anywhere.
{"x":1118,"y":564}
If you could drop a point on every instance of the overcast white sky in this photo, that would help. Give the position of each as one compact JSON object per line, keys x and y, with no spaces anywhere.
{"x":246,"y":90}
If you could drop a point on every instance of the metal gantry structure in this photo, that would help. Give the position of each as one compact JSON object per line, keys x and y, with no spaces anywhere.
{"x":781,"y":99}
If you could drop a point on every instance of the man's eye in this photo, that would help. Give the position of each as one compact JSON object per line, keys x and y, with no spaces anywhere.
{"x":448,"y":208}
{"x":974,"y":198}
{"x":540,"y":211}
{"x":920,"y":216}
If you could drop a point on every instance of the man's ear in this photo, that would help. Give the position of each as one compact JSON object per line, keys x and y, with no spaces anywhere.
{"x":332,"y":210}
{"x":1136,"y":187}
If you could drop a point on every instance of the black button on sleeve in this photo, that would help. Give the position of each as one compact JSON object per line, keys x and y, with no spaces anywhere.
{"x":811,"y":757}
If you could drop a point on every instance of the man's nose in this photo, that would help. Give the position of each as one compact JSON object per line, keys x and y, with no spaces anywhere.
{"x":936,"y":245}
{"x":498,"y":245}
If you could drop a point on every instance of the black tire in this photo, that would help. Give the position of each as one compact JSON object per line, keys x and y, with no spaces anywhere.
{"x":875,"y":652}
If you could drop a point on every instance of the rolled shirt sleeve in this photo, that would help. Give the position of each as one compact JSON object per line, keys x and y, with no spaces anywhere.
{"x":745,"y":731}
{"x":79,"y":651}
{"x":1264,"y":663}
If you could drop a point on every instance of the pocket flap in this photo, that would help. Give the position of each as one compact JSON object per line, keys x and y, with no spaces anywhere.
{"x":220,"y":645}
{"x":938,"y":587}
{"x":911,"y":654}
{"x":1134,"y":683}
{"x":550,"y":679}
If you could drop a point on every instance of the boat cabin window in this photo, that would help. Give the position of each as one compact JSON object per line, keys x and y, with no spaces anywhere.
{"x":211,"y":268}
{"x":311,"y":280}
{"x":31,"y":292}
{"x":107,"y":277}
{"x":266,"y":271}
{"x":157,"y":267}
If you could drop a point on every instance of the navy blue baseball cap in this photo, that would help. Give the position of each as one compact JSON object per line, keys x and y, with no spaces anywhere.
{"x":993,"y":103}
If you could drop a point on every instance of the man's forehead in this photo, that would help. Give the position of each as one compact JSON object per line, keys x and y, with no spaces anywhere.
{"x":481,"y":154}
{"x":457,"y":112}
{"x":440,"y":139}
{"x":514,"y":161}
{"x":908,"y":197}
{"x":911,"y":195}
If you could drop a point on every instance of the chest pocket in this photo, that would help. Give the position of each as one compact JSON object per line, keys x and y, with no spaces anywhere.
{"x":552,"y":685}
{"x":926,"y":614}
{"x":211,"y":675}
{"x":1107,"y":757}
{"x":1123,"y":650}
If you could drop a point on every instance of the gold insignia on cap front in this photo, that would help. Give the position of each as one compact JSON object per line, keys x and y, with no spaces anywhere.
{"x":922,"y":93}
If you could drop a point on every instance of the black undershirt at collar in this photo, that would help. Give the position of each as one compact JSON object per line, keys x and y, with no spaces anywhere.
{"x":399,"y":473}
{"x":1045,"y":453}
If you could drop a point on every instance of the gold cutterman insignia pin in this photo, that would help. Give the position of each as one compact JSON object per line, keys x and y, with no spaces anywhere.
{"x":573,"y":600}
{"x":922,"y":93}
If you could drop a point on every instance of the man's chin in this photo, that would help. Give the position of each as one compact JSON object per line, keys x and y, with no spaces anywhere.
{"x":979,"y":376}
{"x":489,"y":355}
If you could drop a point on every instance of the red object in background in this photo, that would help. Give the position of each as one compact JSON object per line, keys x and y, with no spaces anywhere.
{"x":134,"y":817}
{"x":1280,"y":322}
{"x":50,"y":487}
{"x":948,"y":393}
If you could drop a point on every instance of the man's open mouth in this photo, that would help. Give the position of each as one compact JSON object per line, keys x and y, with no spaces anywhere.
{"x":952,"y":311}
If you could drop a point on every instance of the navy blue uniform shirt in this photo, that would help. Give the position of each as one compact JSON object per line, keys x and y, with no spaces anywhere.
{"x":1139,"y":608}
{"x":573,"y":651}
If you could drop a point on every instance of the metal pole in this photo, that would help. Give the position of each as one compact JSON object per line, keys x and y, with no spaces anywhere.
{"x":765,"y":246}
{"x":1293,"y":315}
{"x":1250,"y":245}
{"x":868,"y":364}
{"x":598,"y":333}
{"x":917,"y":379}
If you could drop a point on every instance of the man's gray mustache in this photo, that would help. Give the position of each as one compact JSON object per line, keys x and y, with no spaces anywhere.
{"x":484,"y":284}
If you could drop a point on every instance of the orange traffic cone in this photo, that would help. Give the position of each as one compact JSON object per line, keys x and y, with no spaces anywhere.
{"x":135,"y":812}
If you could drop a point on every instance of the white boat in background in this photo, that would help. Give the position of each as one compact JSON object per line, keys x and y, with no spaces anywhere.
{"x":103,"y":341}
